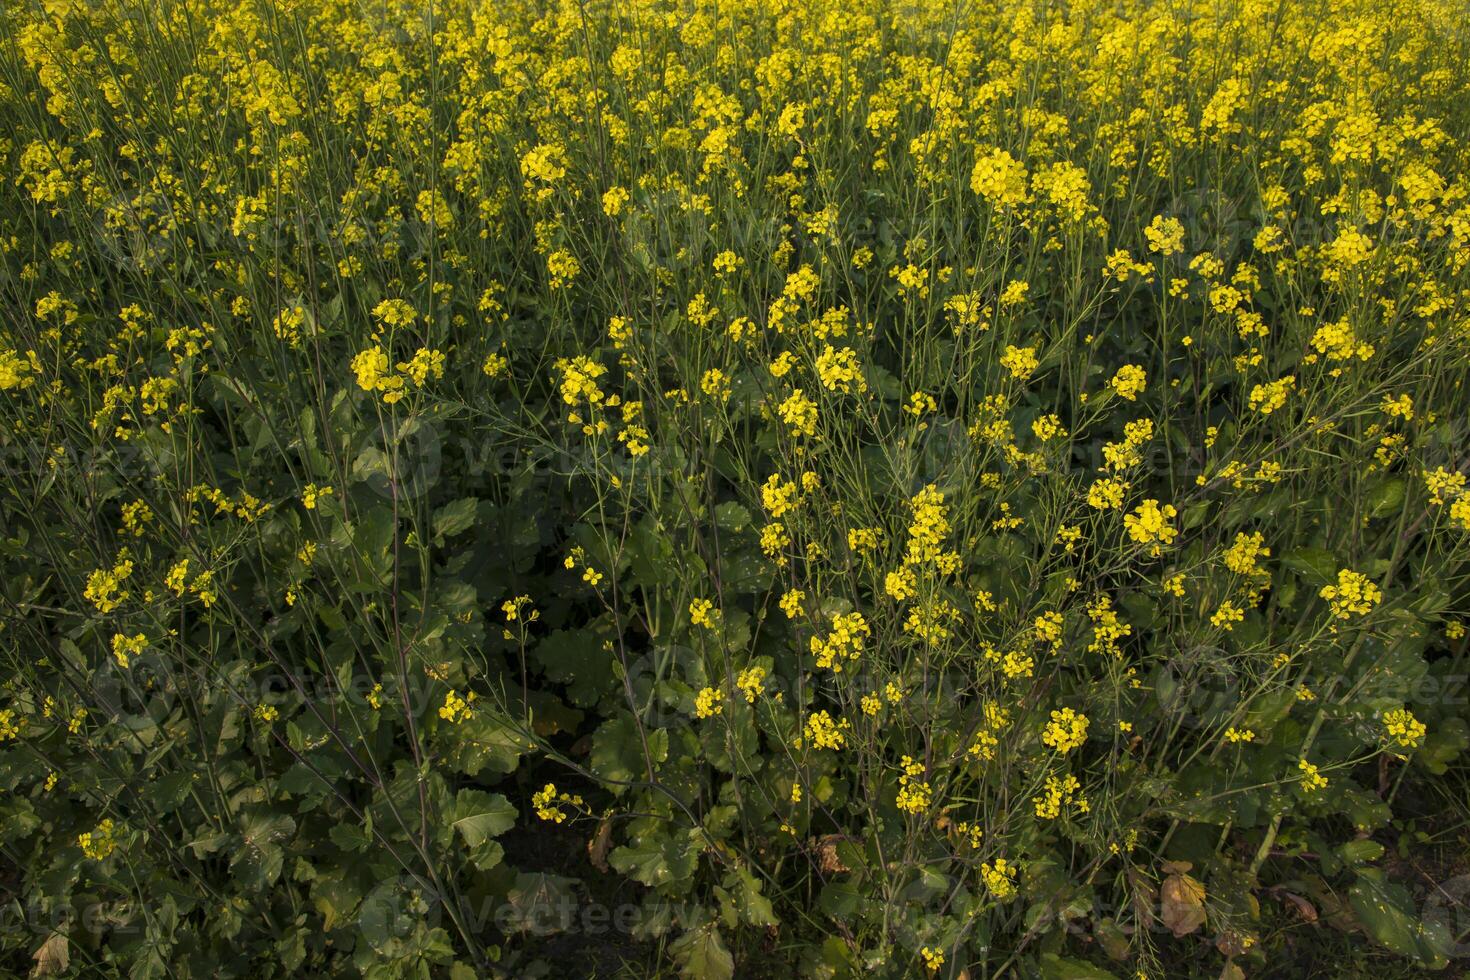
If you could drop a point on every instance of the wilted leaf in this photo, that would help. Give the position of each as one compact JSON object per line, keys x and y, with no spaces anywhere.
{"x":1182,"y":904}
{"x":52,"y":957}
{"x":597,"y":847}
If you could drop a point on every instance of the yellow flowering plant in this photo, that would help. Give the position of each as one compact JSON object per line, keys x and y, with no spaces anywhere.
{"x":879,"y":490}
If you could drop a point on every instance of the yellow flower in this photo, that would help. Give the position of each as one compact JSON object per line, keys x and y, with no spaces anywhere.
{"x":825,"y":733}
{"x":1066,"y":731}
{"x":752,"y":683}
{"x":843,"y":642}
{"x":124,"y":648}
{"x":999,"y":178}
{"x":561,"y":268}
{"x":1106,"y":494}
{"x":1401,"y":726}
{"x":11,"y":725}
{"x":1129,"y":382}
{"x":1443,"y":485}
{"x":1270,"y":397}
{"x":1014,"y":293}
{"x":312,"y":493}
{"x":1311,"y":780}
{"x":928,"y":529}
{"x":425,"y":364}
{"x":396,"y":313}
{"x":1149,"y":524}
{"x":1401,"y":407}
{"x":1227,"y":616}
{"x":791,"y":120}
{"x":371,"y":367}
{"x":1048,"y":427}
{"x":495,"y":365}
{"x":520,"y":608}
{"x":1000,"y":879}
{"x":709,"y":702}
{"x":1057,"y":794}
{"x":16,"y":370}
{"x":544,"y":163}
{"x":99,"y":844}
{"x":104,"y":586}
{"x":700,"y":613}
{"x":548,"y":803}
{"x":914,"y":795}
{"x":1048,"y":628}
{"x":799,"y":413}
{"x":457,"y":707}
{"x":1353,"y":594}
{"x":1021,"y":362}
{"x":177,"y":576}
{"x":840,"y":371}
{"x":613,"y":200}
{"x":1165,"y":236}
{"x":1242,"y":555}
{"x":715,"y":384}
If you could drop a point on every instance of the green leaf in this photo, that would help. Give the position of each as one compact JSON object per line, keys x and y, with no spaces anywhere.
{"x":617,"y":752}
{"x":1387,"y":915}
{"x":485,"y":741}
{"x":656,"y":860}
{"x":1360,"y":851}
{"x":539,"y":903}
{"x":702,"y":955}
{"x":753,"y":907}
{"x":1387,"y":497}
{"x":479,"y":818}
{"x":1444,"y":744}
{"x":349,"y":836}
{"x":730,"y":516}
{"x":651,"y":555}
{"x":258,"y":861}
{"x":337,"y":898}
{"x":453,"y":518}
{"x":577,"y":659}
{"x":1054,"y":967}
{"x":1316,"y":565}
{"x":208,"y":843}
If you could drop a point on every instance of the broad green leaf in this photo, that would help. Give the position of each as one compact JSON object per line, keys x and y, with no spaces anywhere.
{"x":657,"y":859}
{"x":702,"y":955}
{"x":618,"y":755}
{"x":1387,"y":914}
{"x":479,"y":818}
{"x":453,"y":518}
{"x":540,"y":904}
{"x":1054,"y":967}
{"x":259,"y":857}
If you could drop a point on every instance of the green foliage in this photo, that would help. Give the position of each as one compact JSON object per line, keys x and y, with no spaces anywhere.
{"x":751,"y":489}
